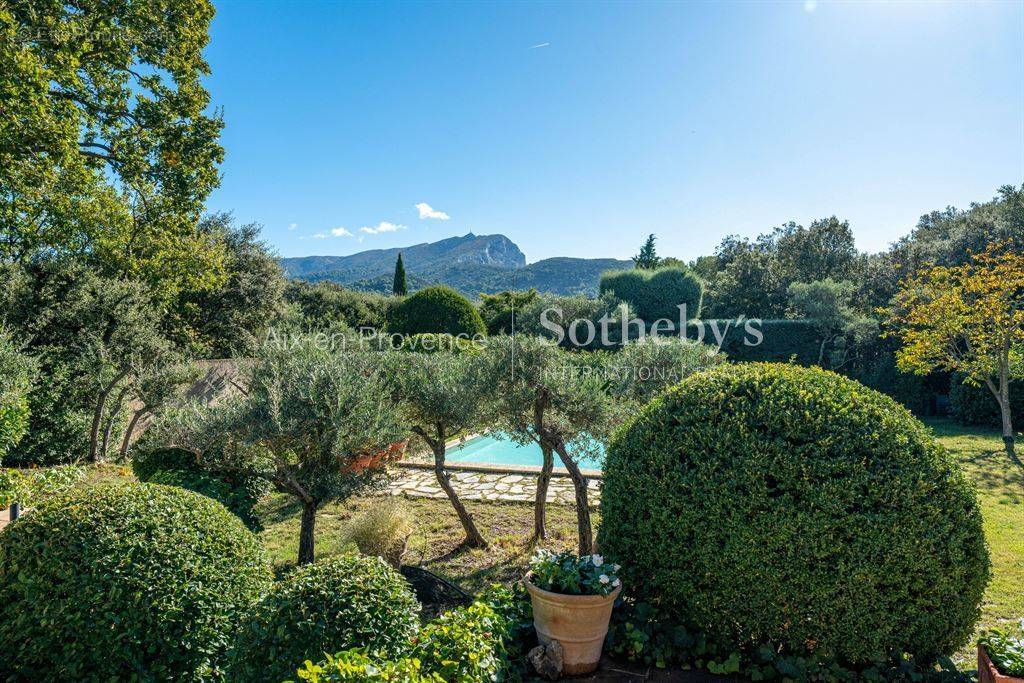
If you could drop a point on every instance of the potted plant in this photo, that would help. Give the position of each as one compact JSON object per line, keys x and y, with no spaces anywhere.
{"x":572,"y":603}
{"x":1000,"y":657}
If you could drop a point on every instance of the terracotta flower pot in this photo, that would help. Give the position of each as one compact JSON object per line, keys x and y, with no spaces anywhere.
{"x":366,"y":461}
{"x":578,"y":622}
{"x":987,"y":672}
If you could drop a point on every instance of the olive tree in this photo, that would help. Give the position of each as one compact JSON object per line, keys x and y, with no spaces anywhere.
{"x":557,"y":399}
{"x":308,"y":417}
{"x":442,"y":394}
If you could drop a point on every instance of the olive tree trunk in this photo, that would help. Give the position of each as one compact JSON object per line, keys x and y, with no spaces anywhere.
{"x":97,"y":415}
{"x":540,"y":504}
{"x":306,"y":532}
{"x":474,"y":539}
{"x":579,"y":485}
{"x":129,"y":432}
{"x":541,"y":501}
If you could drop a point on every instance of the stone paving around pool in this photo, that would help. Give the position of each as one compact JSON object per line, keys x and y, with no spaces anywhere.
{"x":497,"y":486}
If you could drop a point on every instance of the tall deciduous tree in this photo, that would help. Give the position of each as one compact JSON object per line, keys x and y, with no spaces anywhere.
{"x":648,"y":256}
{"x":967,"y":318}
{"x":398,"y":287}
{"x":106,"y":152}
{"x":309,"y":415}
{"x":442,"y":394}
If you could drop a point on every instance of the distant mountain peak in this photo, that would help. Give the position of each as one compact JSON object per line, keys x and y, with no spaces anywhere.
{"x":470,"y":263}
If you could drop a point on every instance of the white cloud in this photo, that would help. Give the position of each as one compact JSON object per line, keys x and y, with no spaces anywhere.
{"x":810,"y":5}
{"x":292,"y":226}
{"x":383,"y":226}
{"x":340,"y":232}
{"x":427,"y":211}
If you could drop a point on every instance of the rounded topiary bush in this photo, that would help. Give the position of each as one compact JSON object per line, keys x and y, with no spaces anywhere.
{"x":777,"y":505}
{"x":436,"y":309}
{"x":122,"y":580}
{"x":325,"y":607}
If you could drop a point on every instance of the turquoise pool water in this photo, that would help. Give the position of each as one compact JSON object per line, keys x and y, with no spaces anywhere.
{"x":497,"y":448}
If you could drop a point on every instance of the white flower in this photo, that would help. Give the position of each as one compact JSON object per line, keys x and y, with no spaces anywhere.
{"x":616,"y":583}
{"x":603,"y":578}
{"x":616,"y":568}
{"x":597,"y":560}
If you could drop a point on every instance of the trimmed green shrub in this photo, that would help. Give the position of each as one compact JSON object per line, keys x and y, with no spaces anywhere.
{"x":655,"y":294}
{"x":336,"y":604}
{"x":125,"y":580}
{"x":436,"y":309}
{"x":178,"y":467}
{"x":975,"y":405}
{"x":792,"y":508}
{"x":31,"y":486}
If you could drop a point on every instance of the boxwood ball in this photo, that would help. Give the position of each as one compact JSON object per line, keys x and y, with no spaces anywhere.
{"x":121,"y":581}
{"x":770,"y":504}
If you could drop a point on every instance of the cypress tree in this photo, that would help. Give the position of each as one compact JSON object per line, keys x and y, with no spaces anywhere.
{"x":648,"y":258}
{"x":398,"y":288}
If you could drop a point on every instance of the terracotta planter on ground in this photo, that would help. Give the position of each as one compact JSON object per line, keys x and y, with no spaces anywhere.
{"x":987,"y":672}
{"x":578,"y":622}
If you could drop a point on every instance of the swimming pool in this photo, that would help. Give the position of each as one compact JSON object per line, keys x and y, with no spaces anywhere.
{"x":496,"y":448}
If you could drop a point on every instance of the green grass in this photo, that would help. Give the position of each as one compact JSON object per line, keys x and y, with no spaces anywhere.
{"x":434,"y":543}
{"x":1000,"y":485}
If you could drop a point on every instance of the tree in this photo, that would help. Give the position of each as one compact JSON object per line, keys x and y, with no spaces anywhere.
{"x":17,"y":375}
{"x":967,"y":318}
{"x":309,"y":416}
{"x":106,"y":151}
{"x":153,"y":390}
{"x":647,"y":259}
{"x":442,"y":394}
{"x":827,"y":302}
{"x":228,"y":320}
{"x":556,"y":399}
{"x":399,"y":288}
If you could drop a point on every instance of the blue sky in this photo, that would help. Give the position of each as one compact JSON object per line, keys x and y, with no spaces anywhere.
{"x":577,"y":128}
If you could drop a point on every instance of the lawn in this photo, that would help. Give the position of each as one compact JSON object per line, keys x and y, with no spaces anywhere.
{"x":1000,"y":486}
{"x":433,"y":545}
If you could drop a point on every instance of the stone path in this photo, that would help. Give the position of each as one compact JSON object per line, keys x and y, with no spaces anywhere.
{"x":417,"y":483}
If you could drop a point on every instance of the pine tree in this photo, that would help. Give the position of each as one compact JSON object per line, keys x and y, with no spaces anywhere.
{"x":399,"y":288}
{"x":647,"y":259}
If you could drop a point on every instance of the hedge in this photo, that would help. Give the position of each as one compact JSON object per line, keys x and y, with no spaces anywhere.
{"x":655,"y":294}
{"x":436,"y":309}
{"x":335,"y":604}
{"x":125,"y":580}
{"x":975,"y":405}
{"x":789,"y":507}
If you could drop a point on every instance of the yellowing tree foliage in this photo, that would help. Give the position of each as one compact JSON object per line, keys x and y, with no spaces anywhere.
{"x":969,"y":319}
